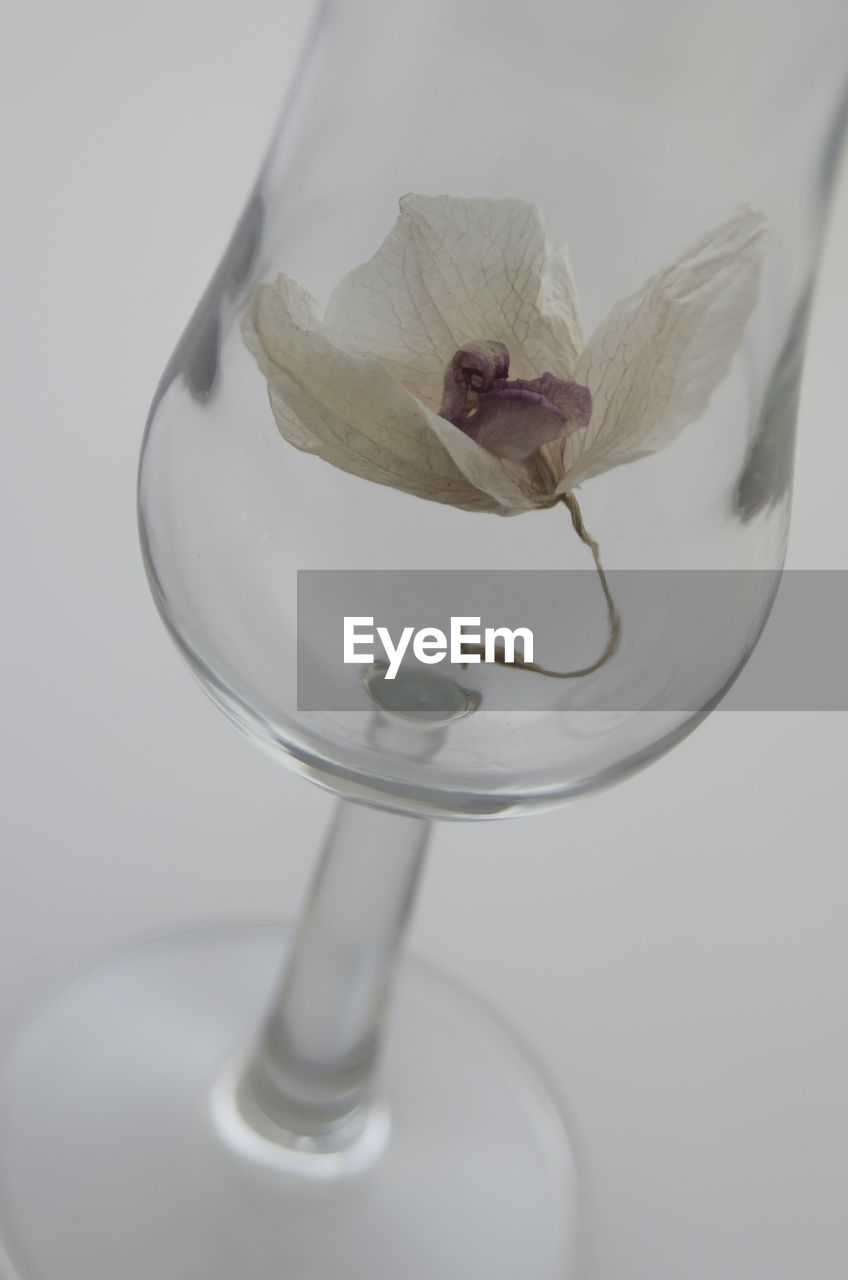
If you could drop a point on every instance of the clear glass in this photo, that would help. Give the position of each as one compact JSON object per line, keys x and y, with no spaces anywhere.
{"x":618,"y":124}
{"x":176,"y":1113}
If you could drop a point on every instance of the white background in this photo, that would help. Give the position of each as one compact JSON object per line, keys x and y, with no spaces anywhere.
{"x":676,"y":949}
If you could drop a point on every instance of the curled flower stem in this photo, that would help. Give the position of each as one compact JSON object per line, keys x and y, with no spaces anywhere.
{"x":613,"y":617}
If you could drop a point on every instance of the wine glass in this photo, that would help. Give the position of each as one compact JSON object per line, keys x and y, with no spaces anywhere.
{"x":175,"y":1113}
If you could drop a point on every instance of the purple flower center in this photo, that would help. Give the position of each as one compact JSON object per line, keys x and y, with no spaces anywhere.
{"x":511,"y":418}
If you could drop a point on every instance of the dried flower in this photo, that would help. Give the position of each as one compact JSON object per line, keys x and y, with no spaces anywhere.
{"x":453,"y":365}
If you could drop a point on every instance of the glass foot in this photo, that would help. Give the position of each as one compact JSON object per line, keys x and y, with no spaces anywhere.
{"x":122,"y":1154}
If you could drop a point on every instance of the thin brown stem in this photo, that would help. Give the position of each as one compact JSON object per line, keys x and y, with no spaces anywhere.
{"x":613,"y":618}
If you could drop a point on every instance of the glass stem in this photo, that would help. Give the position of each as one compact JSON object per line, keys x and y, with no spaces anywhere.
{"x":312,"y":1070}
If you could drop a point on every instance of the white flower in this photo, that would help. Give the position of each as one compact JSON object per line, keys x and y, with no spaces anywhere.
{"x":453,"y":365}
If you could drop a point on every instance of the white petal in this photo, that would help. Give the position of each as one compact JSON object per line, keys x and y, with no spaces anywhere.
{"x":454,"y":271}
{"x":560,"y":302}
{"x":510,"y":483}
{"x":350,"y":411}
{"x":655,"y":361}
{"x":304,"y":314}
